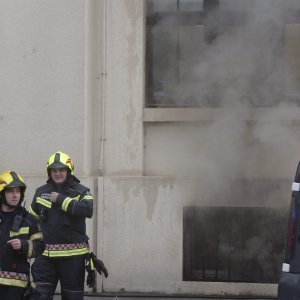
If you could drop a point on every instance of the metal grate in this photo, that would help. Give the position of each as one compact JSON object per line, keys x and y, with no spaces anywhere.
{"x":233,"y":244}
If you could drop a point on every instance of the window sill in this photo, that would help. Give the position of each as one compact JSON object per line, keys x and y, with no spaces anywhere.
{"x":270,"y":114}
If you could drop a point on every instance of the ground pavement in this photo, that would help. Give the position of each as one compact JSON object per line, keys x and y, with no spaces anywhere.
{"x":156,"y":297}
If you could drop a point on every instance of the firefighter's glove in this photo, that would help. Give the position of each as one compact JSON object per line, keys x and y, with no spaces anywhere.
{"x":91,"y":276}
{"x":99,"y":265}
{"x":91,"y":279}
{"x":31,"y":293}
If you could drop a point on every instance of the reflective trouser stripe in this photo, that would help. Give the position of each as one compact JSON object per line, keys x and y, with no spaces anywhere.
{"x":66,"y":253}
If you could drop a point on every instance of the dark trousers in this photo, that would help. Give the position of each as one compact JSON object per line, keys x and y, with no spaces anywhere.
{"x":46,"y":273}
{"x":11,"y":292}
{"x":289,"y":286}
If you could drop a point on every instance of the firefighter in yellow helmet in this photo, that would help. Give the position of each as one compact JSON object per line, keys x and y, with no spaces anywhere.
{"x":62,"y":206}
{"x":20,"y":238}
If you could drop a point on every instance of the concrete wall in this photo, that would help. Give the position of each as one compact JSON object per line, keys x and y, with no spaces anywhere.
{"x":141,"y":210}
{"x":44,"y":105}
{"x":72,"y":79}
{"x":42,"y":83}
{"x":123,"y":152}
{"x":142,"y":237}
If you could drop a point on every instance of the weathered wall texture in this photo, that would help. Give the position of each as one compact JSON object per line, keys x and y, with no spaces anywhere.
{"x":42,"y":81}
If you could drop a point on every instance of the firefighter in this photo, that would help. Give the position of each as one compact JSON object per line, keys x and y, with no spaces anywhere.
{"x":20,"y":238}
{"x":62,"y":206}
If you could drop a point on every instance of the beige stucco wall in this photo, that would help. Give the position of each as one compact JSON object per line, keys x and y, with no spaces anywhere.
{"x":44,"y":106}
{"x":141,"y":239}
{"x":42,"y":83}
{"x":72,"y":78}
{"x":125,"y":94}
{"x":140,"y":210}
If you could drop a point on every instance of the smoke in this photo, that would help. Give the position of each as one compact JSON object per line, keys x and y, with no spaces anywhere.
{"x":245,"y":150}
{"x":241,"y":74}
{"x":242,"y":65}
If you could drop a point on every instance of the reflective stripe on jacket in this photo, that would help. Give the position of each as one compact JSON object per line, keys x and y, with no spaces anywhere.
{"x":14,"y":279}
{"x":63,"y":222}
{"x":66,"y":250}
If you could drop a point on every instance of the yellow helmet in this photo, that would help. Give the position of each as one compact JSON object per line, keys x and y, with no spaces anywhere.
{"x":10,"y":179}
{"x":60,"y":160}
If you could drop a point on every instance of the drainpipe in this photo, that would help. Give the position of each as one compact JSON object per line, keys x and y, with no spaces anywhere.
{"x":88,"y":88}
{"x":96,"y":36}
{"x":103,"y":86}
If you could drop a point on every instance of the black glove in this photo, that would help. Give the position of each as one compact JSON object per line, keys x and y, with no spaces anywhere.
{"x":91,"y":279}
{"x":92,"y":263}
{"x":99,"y":265}
{"x":31,"y":293}
{"x":91,"y":276}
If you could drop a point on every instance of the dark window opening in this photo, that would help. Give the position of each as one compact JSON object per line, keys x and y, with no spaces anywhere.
{"x":208,"y":53}
{"x":233,"y":244}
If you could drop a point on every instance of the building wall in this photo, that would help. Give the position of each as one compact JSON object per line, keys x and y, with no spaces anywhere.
{"x":42,"y":83}
{"x":72,"y":79}
{"x":144,"y":190}
{"x":44,"y":104}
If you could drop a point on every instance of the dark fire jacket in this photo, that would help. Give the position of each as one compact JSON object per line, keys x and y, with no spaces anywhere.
{"x":63,"y":223}
{"x":14,"y":264}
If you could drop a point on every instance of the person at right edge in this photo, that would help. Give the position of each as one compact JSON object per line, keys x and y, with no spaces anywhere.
{"x":62,"y":206}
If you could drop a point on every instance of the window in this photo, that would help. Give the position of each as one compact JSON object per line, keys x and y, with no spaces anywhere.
{"x":211,"y":53}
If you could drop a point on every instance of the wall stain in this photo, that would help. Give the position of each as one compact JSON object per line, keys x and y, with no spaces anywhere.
{"x":143,"y":189}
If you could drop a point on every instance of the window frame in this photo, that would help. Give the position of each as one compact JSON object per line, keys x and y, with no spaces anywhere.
{"x":191,"y":18}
